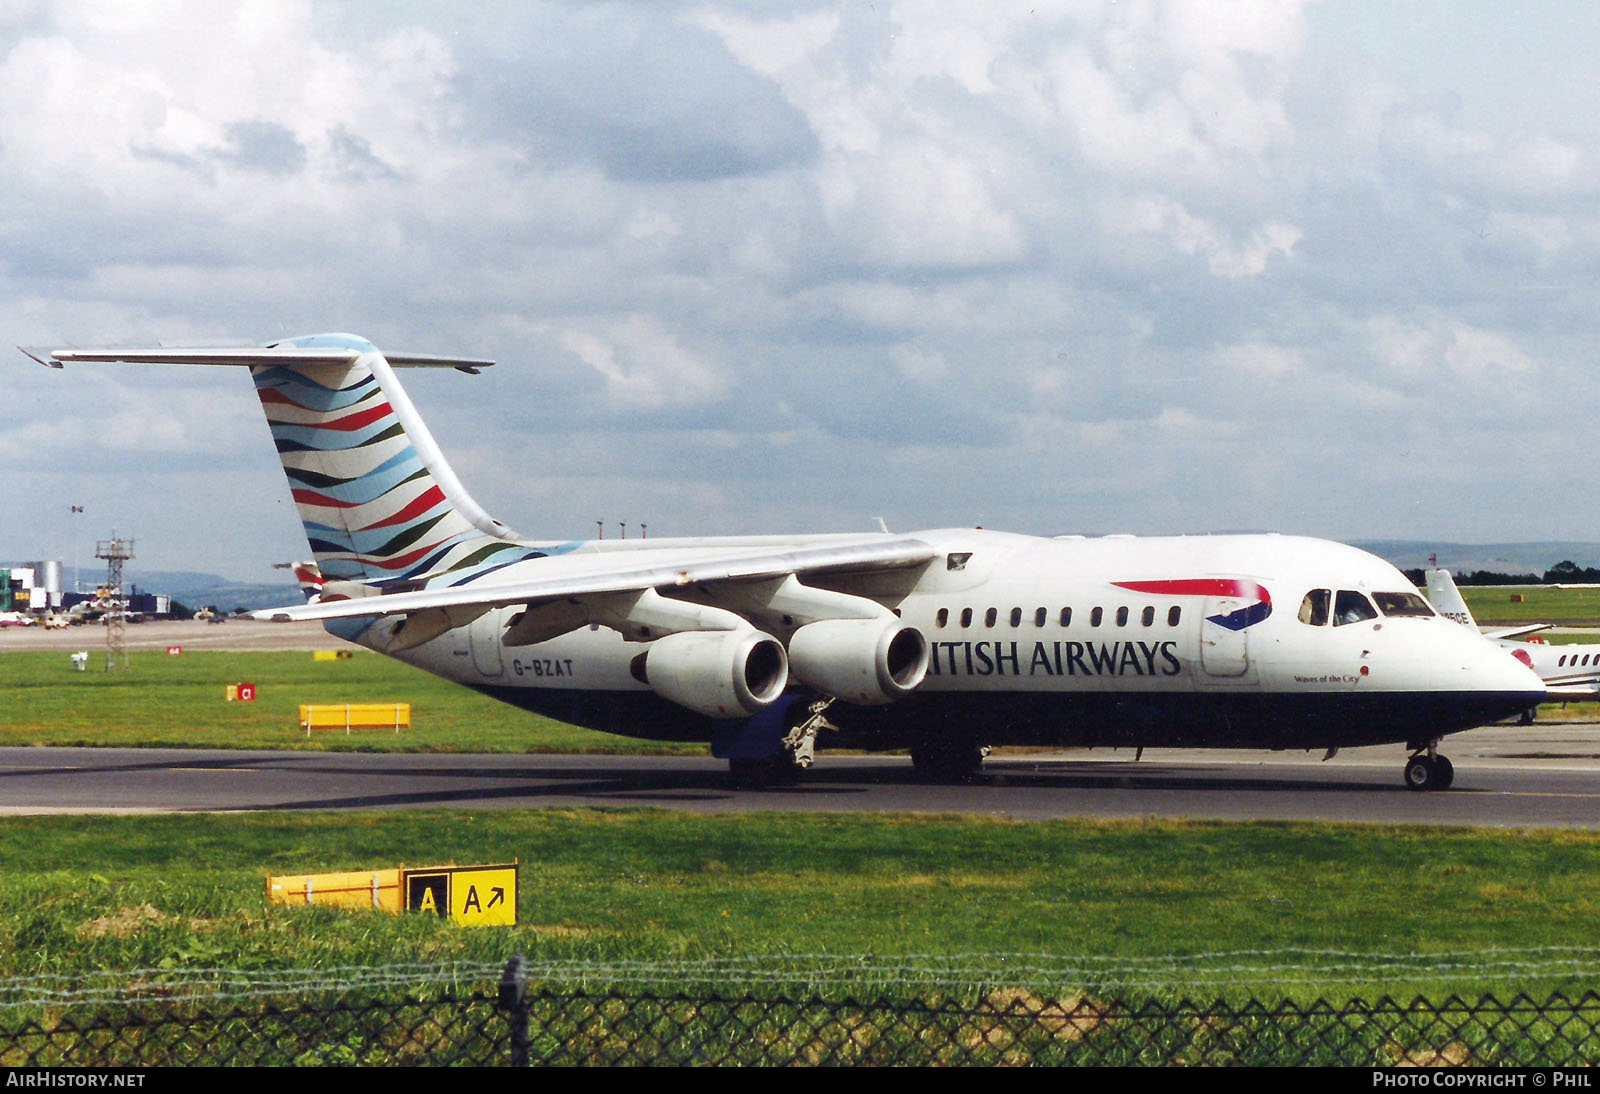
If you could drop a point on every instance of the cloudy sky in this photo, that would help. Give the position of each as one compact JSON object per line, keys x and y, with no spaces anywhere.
{"x":1330,"y":269}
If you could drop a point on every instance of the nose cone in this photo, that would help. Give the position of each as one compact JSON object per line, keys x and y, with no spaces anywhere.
{"x":1492,"y":683}
{"x":1500,"y":669}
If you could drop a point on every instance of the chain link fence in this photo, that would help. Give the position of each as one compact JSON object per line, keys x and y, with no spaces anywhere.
{"x":523,"y":1021}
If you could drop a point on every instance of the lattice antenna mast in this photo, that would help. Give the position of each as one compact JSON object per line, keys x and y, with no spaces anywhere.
{"x":115,"y":551}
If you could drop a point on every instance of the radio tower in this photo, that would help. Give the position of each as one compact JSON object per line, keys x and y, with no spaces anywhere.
{"x":115,"y":551}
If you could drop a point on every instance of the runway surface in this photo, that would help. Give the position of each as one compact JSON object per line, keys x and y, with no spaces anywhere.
{"x":1505,"y":777}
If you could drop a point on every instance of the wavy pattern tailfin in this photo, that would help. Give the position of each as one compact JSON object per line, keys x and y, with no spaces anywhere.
{"x":378,"y":501}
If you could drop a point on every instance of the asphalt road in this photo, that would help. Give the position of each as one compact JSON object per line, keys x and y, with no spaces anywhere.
{"x":1505,"y":777}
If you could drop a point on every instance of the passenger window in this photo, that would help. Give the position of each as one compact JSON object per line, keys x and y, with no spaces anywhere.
{"x":1148,"y":617}
{"x":1095,"y":616}
{"x":1066,"y":617}
{"x":1016,"y":617}
{"x":989,"y":617}
{"x":942,"y":618}
{"x":966,"y":617}
{"x":1351,"y":607}
{"x":1314,"y":608}
{"x":1122,"y":617}
{"x":1173,"y":613}
{"x":1039,"y":617}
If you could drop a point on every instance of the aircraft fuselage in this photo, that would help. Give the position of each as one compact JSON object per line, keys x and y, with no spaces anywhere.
{"x":1169,"y":641}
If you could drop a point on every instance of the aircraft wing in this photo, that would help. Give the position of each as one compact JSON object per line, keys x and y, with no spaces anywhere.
{"x":626,"y":571}
{"x":1578,"y":694}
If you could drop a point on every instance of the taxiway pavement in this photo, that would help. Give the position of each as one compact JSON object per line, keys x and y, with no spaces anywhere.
{"x":1510,"y":777}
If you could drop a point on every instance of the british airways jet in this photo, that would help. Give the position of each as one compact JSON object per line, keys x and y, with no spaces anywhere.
{"x":946,"y":642}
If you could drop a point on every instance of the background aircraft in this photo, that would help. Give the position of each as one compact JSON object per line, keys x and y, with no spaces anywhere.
{"x":944,"y":642}
{"x":1571,"y":671}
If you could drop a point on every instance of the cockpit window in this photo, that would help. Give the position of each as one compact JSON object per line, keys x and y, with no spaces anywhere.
{"x":1314,"y":608}
{"x":1351,"y":607}
{"x":1402,"y":604}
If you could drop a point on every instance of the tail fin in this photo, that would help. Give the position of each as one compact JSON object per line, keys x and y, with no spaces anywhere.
{"x":1446,"y":598}
{"x":308,"y":576}
{"x":379,"y":503}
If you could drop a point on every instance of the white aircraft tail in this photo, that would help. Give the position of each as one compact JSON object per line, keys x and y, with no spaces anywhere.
{"x":1448,"y":602}
{"x":1446,"y":598}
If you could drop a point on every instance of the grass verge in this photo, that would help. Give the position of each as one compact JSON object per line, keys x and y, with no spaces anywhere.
{"x":81,"y":894}
{"x":180,"y":702}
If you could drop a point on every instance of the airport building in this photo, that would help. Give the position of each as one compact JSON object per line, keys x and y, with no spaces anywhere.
{"x":35,"y":588}
{"x":31,"y":587}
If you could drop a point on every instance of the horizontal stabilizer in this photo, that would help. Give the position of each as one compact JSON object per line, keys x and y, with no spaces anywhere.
{"x":243,"y":355}
{"x":1517,"y":632}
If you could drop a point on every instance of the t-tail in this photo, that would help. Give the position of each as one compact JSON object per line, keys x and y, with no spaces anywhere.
{"x":1446,"y":598}
{"x":378,"y":501}
{"x":1448,"y":602}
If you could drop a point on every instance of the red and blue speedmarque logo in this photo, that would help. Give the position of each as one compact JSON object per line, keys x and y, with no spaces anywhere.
{"x":1247,"y":616}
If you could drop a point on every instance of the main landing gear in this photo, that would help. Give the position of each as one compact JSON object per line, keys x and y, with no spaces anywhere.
{"x":947,"y":761}
{"x":1427,"y":770}
{"x":796,"y":752}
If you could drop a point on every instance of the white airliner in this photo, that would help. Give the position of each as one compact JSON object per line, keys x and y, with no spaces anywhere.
{"x":943,"y":642}
{"x":1570,"y":671}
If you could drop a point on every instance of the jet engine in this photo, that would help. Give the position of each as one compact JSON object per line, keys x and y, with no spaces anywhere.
{"x":868,"y":661}
{"x":724,"y":674}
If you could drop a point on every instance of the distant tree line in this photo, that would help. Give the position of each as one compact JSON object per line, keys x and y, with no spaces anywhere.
{"x":1566,"y":572}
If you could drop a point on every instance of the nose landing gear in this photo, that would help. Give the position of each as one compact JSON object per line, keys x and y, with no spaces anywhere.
{"x":1427,"y":770}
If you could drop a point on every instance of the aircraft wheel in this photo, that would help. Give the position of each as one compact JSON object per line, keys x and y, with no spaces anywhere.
{"x":946,"y":762}
{"x":779,"y":770}
{"x":1445,"y":771}
{"x":1429,"y":773}
{"x":1420,"y":774}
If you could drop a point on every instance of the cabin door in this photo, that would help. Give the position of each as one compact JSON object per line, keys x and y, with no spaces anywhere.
{"x":1224,"y":650}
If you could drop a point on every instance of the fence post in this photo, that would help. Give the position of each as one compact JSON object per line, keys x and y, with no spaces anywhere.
{"x":514,"y":1001}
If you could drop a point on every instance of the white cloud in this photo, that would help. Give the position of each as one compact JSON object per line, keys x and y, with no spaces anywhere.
{"x":1018,"y":255}
{"x":644,"y":364}
{"x":1226,"y":256}
{"x":1261,"y":360}
{"x":1441,"y":350}
{"x":916,"y":205}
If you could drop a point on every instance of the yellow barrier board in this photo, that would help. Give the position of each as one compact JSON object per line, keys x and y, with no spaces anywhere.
{"x":348,"y":716}
{"x":378,"y":889}
{"x":330,"y":655}
{"x":471,"y":896}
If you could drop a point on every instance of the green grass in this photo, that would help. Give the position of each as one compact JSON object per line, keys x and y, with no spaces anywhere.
{"x":88,"y":893}
{"x":1492,"y":605}
{"x":162,"y":701}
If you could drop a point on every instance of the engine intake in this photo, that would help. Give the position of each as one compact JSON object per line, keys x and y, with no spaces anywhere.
{"x":723,"y":674}
{"x":868,"y":661}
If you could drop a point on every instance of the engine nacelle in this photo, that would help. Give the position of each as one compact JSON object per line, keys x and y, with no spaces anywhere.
{"x":724,"y":674}
{"x":868,"y":661}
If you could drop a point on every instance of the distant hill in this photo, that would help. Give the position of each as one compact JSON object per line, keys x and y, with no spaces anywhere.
{"x":1503,"y":558}
{"x":195,"y":591}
